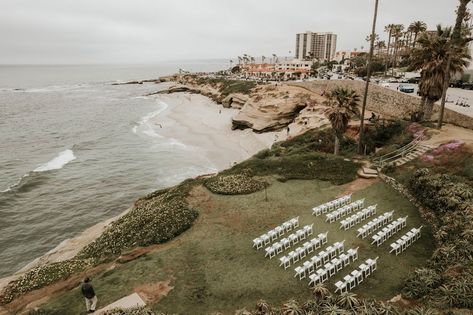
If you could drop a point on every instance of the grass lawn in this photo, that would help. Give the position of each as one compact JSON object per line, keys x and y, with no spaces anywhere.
{"x":213,"y":267}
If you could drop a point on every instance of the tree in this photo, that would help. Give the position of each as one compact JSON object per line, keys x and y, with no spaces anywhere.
{"x":262,"y":308}
{"x":368,"y":77}
{"x":388,"y":28}
{"x":463,"y":16}
{"x":263,"y":58}
{"x":396,"y":33}
{"x":342,"y":105}
{"x":415,"y":28}
{"x":431,"y":57}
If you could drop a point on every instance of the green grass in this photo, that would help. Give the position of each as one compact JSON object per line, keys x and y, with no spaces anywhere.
{"x":213,"y":266}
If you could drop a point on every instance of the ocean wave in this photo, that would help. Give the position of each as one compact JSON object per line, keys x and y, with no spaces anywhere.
{"x":58,"y":162}
{"x":146,"y":126}
{"x":18,"y":183}
{"x":30,"y":180}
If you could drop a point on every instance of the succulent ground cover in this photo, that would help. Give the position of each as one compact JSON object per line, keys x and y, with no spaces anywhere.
{"x":40,"y":277}
{"x":158,"y":219}
{"x":238,"y":184}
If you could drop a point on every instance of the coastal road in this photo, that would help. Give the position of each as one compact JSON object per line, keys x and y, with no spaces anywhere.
{"x":454,"y":95}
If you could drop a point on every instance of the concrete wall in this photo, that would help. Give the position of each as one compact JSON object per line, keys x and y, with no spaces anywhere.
{"x":387,"y":102}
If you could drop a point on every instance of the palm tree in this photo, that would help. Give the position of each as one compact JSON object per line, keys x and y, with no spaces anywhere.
{"x":431,"y":57}
{"x":463,"y":17}
{"x":342,"y":105}
{"x":368,"y":78}
{"x":415,"y":28}
{"x":291,"y":307}
{"x":388,"y":28}
{"x":263,"y":58}
{"x":275,"y":58}
{"x":396,"y":33}
{"x":381,"y":44}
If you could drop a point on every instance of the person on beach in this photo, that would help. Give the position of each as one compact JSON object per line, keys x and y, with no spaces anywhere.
{"x":89,"y":295}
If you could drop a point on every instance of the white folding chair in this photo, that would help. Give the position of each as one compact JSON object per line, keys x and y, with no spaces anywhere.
{"x":285,"y":262}
{"x":353,"y":253}
{"x":358,"y":276}
{"x":341,"y":286}
{"x":314,"y":279}
{"x":300,"y":271}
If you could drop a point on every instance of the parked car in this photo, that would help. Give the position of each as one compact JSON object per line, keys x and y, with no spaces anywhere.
{"x":467,"y":86}
{"x":406,"y":88}
{"x":414,"y":80}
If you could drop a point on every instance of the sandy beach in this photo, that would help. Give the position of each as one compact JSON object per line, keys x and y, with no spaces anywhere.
{"x":190,"y":123}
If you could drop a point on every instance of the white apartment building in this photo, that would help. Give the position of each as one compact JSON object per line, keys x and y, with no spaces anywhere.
{"x":321,"y":46}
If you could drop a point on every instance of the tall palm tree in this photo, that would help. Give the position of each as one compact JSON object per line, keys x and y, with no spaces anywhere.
{"x":388,"y":28}
{"x":263,"y":58}
{"x":381,"y":44}
{"x":396,"y":33}
{"x":431,"y":57}
{"x":368,"y":78}
{"x":342,"y":105}
{"x":415,"y":28}
{"x":463,"y":17}
{"x":275,"y":58}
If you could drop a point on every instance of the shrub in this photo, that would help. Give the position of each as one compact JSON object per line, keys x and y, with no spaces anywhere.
{"x":238,"y":184}
{"x":40,"y":277}
{"x":327,"y":167}
{"x":152,"y":221}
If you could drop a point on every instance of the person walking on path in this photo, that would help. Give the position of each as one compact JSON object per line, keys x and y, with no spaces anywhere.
{"x":89,"y":295}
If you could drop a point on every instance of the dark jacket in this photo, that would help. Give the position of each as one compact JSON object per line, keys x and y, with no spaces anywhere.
{"x":87,"y":290}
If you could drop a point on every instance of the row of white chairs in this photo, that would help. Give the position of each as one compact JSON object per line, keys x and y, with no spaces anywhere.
{"x":289,"y":241}
{"x":278,"y":231}
{"x":343,"y":211}
{"x":331,"y":205}
{"x":331,"y":268}
{"x":301,"y":252}
{"x":357,"y":276}
{"x":358,"y":217}
{"x":375,"y":224}
{"x":321,"y":258}
{"x":405,"y":241}
{"x":388,"y":231}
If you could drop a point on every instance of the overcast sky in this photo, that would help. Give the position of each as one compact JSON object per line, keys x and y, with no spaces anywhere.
{"x":148,"y":31}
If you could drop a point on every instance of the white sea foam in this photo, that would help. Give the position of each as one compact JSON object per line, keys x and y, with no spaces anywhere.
{"x":146,"y":126}
{"x":15,"y":184}
{"x":58,"y":162}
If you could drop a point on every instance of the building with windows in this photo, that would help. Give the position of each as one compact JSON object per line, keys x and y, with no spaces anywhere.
{"x":320,"y":46}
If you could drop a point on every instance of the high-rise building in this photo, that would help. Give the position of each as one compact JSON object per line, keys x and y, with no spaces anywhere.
{"x":321,"y":46}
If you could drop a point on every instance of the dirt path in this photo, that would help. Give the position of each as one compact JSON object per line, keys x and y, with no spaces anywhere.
{"x":448,"y":133}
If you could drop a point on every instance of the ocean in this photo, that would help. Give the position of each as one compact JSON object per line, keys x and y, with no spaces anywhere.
{"x":76,"y":150}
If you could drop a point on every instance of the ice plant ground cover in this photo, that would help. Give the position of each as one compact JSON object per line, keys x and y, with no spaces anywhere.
{"x":238,"y":184}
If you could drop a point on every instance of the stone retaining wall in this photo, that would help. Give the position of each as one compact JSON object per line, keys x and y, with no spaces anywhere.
{"x":387,"y":102}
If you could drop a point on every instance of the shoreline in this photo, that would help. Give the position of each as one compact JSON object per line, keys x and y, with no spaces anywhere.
{"x":245,"y":144}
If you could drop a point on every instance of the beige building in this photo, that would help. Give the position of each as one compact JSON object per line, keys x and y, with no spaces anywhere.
{"x":321,"y":46}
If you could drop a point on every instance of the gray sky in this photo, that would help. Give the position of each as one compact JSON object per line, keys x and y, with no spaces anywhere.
{"x":147,"y":31}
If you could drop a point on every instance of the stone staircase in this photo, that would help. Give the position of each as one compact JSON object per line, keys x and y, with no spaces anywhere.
{"x":403,"y":155}
{"x":418,"y":151}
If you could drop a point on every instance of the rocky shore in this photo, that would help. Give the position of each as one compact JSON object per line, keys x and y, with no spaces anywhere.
{"x":261,"y":107}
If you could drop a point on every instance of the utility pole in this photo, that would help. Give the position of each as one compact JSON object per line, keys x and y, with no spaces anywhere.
{"x":368,"y":77}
